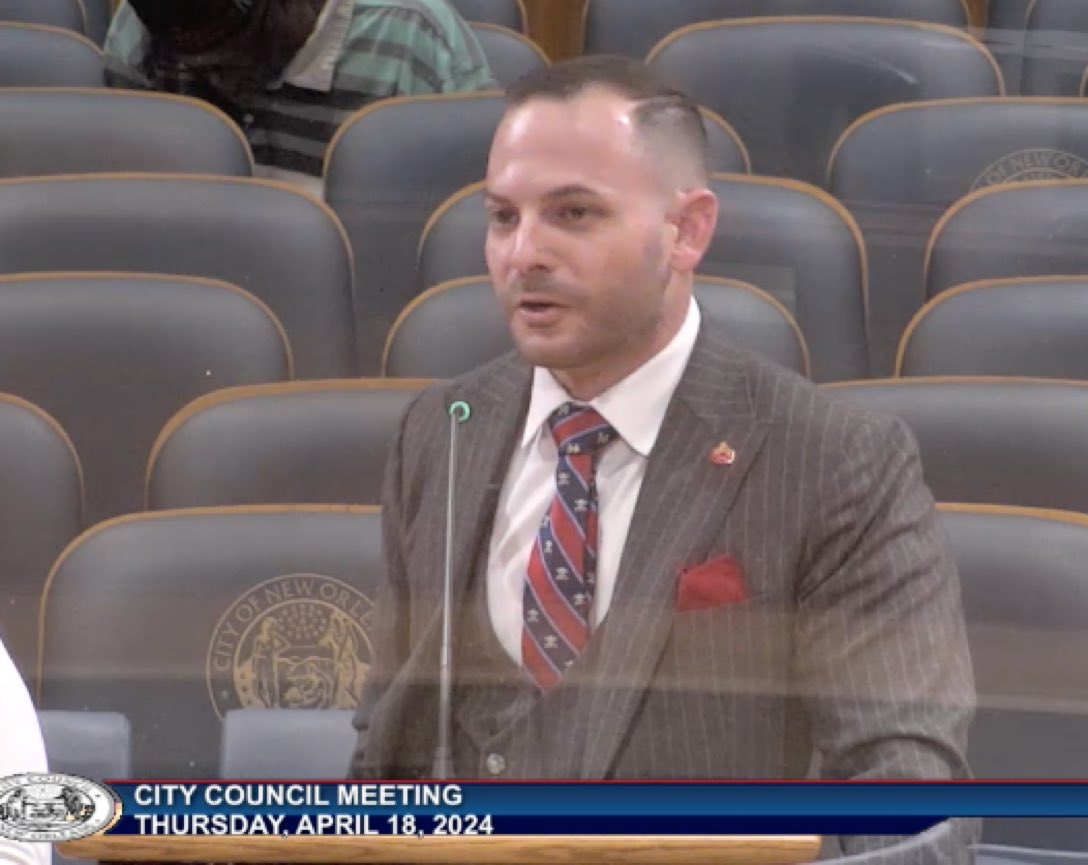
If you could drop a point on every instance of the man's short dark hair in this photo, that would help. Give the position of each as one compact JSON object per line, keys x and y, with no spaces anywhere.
{"x":663,"y":111}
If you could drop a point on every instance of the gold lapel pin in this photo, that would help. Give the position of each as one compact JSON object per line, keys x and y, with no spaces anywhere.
{"x":723,"y":455}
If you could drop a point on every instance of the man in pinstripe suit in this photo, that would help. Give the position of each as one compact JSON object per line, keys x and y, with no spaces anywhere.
{"x":671,"y":559}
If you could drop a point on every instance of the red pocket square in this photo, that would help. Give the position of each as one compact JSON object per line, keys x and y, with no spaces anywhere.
{"x":714,"y":583}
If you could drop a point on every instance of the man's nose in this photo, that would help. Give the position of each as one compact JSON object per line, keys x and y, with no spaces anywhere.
{"x":528,"y":247}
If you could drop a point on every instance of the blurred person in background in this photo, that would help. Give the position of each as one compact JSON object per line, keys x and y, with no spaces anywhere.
{"x":21,"y":751}
{"x":289,"y":72}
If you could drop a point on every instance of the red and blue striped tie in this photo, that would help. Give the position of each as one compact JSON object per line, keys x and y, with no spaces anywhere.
{"x":562,"y":574}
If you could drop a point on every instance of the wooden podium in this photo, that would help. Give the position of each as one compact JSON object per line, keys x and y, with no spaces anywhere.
{"x":450,"y":850}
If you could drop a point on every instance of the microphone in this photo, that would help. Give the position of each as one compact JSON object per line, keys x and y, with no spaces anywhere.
{"x":443,"y":752}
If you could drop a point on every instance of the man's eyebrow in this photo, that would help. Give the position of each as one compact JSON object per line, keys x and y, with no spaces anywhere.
{"x":567,"y":191}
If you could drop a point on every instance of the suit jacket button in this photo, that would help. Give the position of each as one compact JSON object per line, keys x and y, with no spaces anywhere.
{"x":496,"y":764}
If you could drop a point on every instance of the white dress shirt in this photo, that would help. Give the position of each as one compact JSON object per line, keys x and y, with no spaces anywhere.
{"x":635,"y":407}
{"x":21,"y":750}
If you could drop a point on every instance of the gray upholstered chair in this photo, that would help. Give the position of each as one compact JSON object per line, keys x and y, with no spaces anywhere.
{"x":506,"y":13}
{"x":458,"y":325}
{"x":316,"y":441}
{"x":991,"y":440}
{"x":1025,"y":599}
{"x":283,"y":246}
{"x":112,"y":357}
{"x":41,"y":510}
{"x":95,"y":745}
{"x":633,"y":27}
{"x":898,"y":169}
{"x":66,"y":14}
{"x":790,"y":114}
{"x":389,"y":166}
{"x":1034,"y":228}
{"x":35,"y":56}
{"x":78,"y":130}
{"x":1035,"y":326}
{"x":1055,"y":48}
{"x":509,"y":54}
{"x":189,"y":606}
{"x":287,"y":743}
{"x":787,"y":238}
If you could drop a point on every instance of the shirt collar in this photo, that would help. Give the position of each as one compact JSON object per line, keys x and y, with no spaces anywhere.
{"x":635,"y":406}
{"x":314,"y":66}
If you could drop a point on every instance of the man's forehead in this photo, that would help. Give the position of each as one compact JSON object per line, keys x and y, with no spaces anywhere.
{"x":596,"y":114}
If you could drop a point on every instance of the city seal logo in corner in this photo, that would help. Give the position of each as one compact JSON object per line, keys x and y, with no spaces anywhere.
{"x":1039,"y":163}
{"x":49,"y":807}
{"x":294,"y":642}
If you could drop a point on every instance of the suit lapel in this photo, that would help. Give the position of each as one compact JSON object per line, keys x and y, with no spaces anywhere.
{"x":682,"y":504}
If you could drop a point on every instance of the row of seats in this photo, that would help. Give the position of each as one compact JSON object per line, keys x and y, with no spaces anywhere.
{"x":900,"y":171}
{"x":272,"y":608}
{"x":993,"y":440}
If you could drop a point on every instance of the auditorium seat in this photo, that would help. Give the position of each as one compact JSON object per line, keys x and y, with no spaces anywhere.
{"x":387,"y":168}
{"x":78,"y":130}
{"x":284,"y":247}
{"x":287,"y":744}
{"x":66,"y":14}
{"x":991,"y":440}
{"x":32,"y":55}
{"x":1055,"y":48}
{"x":790,"y":113}
{"x":1034,"y":326}
{"x":505,"y":13}
{"x":790,"y":239}
{"x":900,"y":167}
{"x":95,"y":745}
{"x":41,"y":510}
{"x":1025,"y":601}
{"x":314,"y":441}
{"x":632,"y":27}
{"x":1034,"y":228}
{"x":209,"y":610}
{"x":112,"y":357}
{"x":458,"y":325}
{"x":509,"y":54}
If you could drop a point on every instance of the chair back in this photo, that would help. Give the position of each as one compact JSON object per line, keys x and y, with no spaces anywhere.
{"x":283,"y":246}
{"x":790,"y":113}
{"x":509,"y":53}
{"x":383,"y":180}
{"x":633,"y":27}
{"x":991,"y":440}
{"x":41,"y":511}
{"x":313,"y":441}
{"x":1034,"y":228}
{"x":112,"y":357}
{"x":80,"y":130}
{"x":33,"y":55}
{"x":210,"y":610}
{"x":1018,"y":327}
{"x":1025,"y":600}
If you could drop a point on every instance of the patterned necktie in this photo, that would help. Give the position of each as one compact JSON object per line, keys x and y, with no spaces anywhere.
{"x":559,"y":587}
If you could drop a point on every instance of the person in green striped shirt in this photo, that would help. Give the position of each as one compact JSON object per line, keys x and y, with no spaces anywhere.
{"x":289,"y":72}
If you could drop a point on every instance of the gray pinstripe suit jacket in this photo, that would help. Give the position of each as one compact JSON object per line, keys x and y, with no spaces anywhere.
{"x":851,"y":642}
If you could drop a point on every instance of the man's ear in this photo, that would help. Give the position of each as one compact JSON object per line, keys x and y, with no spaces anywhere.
{"x":694,"y":219}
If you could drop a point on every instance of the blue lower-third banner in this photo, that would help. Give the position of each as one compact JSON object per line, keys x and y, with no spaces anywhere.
{"x":592,"y":808}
